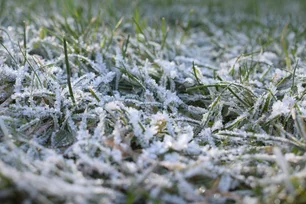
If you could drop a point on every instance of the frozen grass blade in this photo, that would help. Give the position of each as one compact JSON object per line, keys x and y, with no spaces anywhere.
{"x":68,"y":71}
{"x":25,"y":41}
{"x":8,"y":52}
{"x":124,"y":48}
{"x":4,"y":128}
{"x":284,"y":44}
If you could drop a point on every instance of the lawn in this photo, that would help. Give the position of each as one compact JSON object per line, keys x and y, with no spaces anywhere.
{"x":157,"y":101}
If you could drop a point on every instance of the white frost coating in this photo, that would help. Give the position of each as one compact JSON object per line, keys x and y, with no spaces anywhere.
{"x":225,"y":183}
{"x":188,"y":82}
{"x":279,"y":74}
{"x":58,"y":99}
{"x":249,"y":200}
{"x":134,"y":117}
{"x":268,"y":57}
{"x":7,"y":73}
{"x":217,"y":125}
{"x":19,"y":77}
{"x":116,"y":154}
{"x":206,"y":135}
{"x":280,"y":159}
{"x":282,"y":107}
{"x":112,"y":106}
{"x":182,"y":141}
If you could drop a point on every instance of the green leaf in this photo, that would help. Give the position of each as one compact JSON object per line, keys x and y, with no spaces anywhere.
{"x":62,"y":138}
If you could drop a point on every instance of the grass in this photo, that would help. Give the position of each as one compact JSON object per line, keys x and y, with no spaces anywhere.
{"x":152,"y":101}
{"x":68,"y":71}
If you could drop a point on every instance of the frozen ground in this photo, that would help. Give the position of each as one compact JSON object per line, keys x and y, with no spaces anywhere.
{"x":152,"y":101}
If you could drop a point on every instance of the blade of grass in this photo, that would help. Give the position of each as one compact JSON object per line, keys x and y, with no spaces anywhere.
{"x":68,"y":72}
{"x":139,"y":28}
{"x":293,"y":77}
{"x":165,"y":31}
{"x":284,"y":44}
{"x":31,"y":66}
{"x":195,"y":73}
{"x":8,"y":52}
{"x":124,"y":48}
{"x":93,"y":94}
{"x":25,"y":41}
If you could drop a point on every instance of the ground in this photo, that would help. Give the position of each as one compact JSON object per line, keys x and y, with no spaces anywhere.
{"x":152,"y":101}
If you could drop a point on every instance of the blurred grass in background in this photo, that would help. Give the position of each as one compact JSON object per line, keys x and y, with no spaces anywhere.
{"x":18,"y":10}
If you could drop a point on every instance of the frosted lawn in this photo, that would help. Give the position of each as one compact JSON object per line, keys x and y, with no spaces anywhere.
{"x":203,"y":105}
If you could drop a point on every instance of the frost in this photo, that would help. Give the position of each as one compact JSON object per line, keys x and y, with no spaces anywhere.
{"x":182,"y":141}
{"x":7,"y":73}
{"x":204,"y":106}
{"x":249,"y":200}
{"x":282,"y":107}
{"x":279,"y":74}
{"x":134,"y":118}
{"x":19,"y":77}
{"x":225,"y":183}
{"x":268,"y":57}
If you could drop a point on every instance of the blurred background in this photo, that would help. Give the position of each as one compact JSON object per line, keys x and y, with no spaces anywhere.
{"x":111,"y":11}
